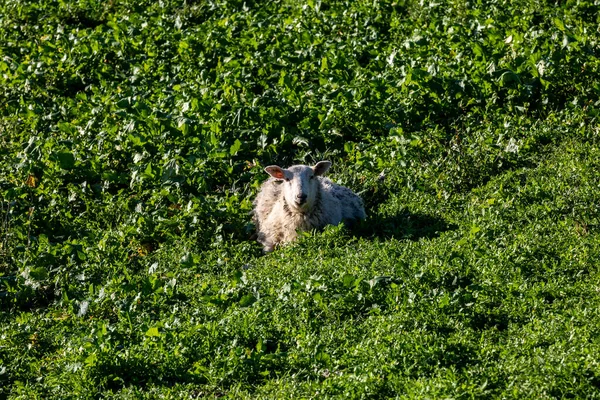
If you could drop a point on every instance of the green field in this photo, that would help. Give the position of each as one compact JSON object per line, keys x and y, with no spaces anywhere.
{"x":133,"y":137}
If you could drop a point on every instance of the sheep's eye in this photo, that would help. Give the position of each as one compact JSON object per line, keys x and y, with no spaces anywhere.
{"x":287,"y":179}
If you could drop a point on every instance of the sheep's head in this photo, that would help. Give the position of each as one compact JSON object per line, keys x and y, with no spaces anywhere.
{"x":300,"y":186}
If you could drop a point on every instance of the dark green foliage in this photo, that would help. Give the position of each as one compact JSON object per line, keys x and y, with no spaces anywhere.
{"x":133,"y":136}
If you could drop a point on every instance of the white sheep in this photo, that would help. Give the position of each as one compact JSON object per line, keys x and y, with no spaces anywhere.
{"x":300,"y":199}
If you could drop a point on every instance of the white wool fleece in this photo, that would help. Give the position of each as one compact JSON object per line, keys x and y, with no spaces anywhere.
{"x":299,"y":199}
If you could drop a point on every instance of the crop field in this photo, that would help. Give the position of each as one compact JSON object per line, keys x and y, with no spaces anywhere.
{"x":133,"y":140}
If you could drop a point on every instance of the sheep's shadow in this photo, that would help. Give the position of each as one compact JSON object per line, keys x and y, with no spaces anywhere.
{"x":406,"y":225}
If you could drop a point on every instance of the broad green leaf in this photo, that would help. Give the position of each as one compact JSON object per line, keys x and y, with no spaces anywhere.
{"x":247,"y":300}
{"x":153,"y":332}
{"x":66,"y":159}
{"x":235,"y":147}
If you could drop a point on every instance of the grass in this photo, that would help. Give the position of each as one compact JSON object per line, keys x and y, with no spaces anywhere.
{"x":133,"y":137}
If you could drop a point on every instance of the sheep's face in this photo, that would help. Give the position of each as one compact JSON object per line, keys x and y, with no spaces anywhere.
{"x":300,"y":186}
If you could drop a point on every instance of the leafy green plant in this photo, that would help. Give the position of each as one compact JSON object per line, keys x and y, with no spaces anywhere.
{"x":133,"y":137}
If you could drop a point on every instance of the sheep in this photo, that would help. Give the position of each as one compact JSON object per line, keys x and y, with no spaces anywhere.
{"x":299,"y":198}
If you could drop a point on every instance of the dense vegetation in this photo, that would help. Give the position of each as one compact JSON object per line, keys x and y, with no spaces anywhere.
{"x":133,"y":137}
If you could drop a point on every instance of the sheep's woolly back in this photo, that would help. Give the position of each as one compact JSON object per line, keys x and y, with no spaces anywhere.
{"x":277,"y":222}
{"x":351,"y":205}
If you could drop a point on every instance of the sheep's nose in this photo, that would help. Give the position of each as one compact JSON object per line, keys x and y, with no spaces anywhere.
{"x":301,"y":198}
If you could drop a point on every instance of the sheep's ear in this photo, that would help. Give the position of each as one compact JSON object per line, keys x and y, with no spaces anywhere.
{"x":321,"y":167}
{"x":276,"y":172}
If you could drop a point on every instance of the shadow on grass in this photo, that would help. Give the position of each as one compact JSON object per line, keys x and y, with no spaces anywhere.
{"x":412,"y":226}
{"x":24,"y":299}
